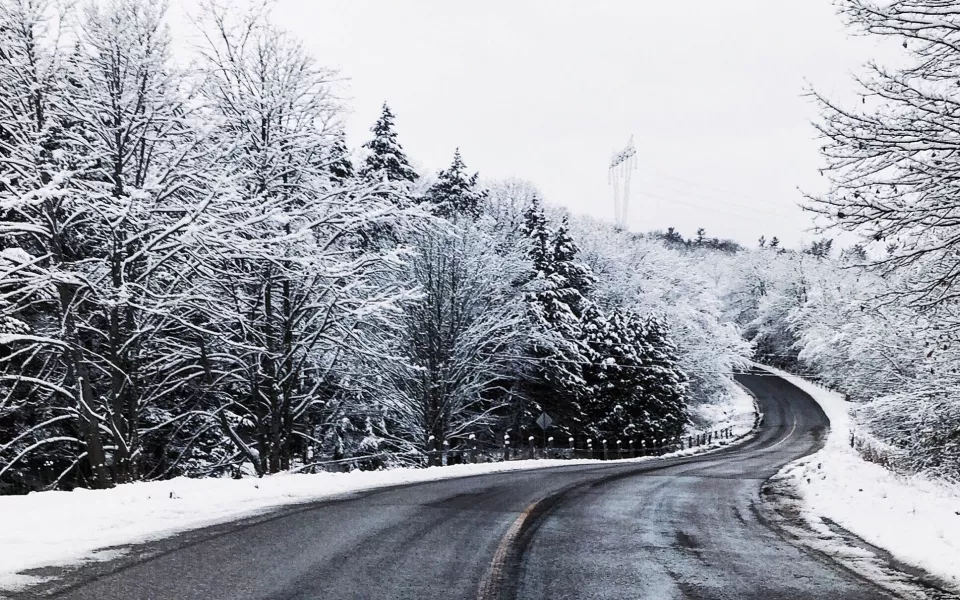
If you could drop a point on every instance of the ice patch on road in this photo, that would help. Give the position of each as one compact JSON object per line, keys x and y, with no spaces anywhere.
{"x":829,"y":495}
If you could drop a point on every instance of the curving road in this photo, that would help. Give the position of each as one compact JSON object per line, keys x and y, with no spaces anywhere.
{"x":672,"y":529}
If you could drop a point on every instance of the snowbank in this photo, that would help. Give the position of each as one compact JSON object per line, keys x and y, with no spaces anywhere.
{"x":737,"y":411}
{"x":64,"y":528}
{"x":916,"y":520}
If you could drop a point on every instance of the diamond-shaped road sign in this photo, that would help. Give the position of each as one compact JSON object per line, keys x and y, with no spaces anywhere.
{"x":544,"y":421}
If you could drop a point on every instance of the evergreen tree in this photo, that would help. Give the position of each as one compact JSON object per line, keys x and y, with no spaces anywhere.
{"x":857,"y":253}
{"x":536,"y":231}
{"x":455,"y":192}
{"x":637,"y":389}
{"x":820,"y":248}
{"x":555,"y":302}
{"x":673,"y":236}
{"x":575,"y":276}
{"x":665,"y":383}
{"x":386,"y":159}
{"x":340,"y":165}
{"x":614,"y":375}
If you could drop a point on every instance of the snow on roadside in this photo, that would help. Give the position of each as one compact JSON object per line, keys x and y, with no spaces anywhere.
{"x":738,"y":411}
{"x":916,"y":520}
{"x":67,"y":528}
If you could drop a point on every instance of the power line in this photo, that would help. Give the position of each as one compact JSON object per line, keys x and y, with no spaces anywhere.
{"x":719,"y":191}
{"x":742,"y":213}
{"x":705,"y":191}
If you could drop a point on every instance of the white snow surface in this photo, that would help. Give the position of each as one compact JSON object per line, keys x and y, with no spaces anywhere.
{"x":916,"y":520}
{"x":737,"y":411}
{"x":68,"y":528}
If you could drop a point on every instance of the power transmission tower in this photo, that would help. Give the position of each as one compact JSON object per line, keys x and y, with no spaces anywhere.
{"x":622,"y":166}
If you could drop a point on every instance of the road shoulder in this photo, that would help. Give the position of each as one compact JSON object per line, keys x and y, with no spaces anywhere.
{"x":896,"y":532}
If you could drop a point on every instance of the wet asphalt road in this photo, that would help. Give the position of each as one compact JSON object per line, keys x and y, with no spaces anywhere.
{"x":671,"y":529}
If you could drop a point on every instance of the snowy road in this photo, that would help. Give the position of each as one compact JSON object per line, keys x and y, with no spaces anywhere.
{"x":681,"y":528}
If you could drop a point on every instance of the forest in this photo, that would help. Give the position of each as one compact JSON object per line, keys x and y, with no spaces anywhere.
{"x":201,"y":276}
{"x":198,"y":276}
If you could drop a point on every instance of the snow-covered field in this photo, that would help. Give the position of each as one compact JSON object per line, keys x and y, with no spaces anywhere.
{"x":65,"y":528}
{"x":915,"y":520}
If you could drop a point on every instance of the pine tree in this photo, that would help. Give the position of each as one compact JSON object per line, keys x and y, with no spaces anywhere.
{"x":820,"y":248}
{"x":614,"y":375}
{"x":575,"y":276}
{"x":555,"y":302}
{"x":536,"y":231}
{"x":637,"y":389}
{"x":455,"y":193}
{"x":673,"y":236}
{"x":664,"y":380}
{"x":340,"y":165}
{"x":386,"y":159}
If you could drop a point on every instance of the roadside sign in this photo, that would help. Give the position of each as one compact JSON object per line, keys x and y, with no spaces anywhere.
{"x":544,"y":421}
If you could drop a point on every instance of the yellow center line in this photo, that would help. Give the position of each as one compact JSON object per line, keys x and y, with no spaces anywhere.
{"x":490,"y":586}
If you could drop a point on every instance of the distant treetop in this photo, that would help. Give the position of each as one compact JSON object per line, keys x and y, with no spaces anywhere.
{"x":386,"y":159}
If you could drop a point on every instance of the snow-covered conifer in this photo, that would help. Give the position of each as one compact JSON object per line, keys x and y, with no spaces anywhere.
{"x":455,"y":193}
{"x":386,"y":160}
{"x":340,"y":164}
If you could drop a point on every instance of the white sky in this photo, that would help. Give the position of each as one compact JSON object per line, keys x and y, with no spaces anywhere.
{"x":547,"y":90}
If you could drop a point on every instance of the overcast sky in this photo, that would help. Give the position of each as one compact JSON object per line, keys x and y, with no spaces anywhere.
{"x":548,"y":90}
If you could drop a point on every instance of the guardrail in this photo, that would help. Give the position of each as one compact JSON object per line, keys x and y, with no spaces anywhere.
{"x":601,"y":450}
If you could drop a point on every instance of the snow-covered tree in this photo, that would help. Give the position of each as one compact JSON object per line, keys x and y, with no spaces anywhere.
{"x":386,"y":160}
{"x":43,"y":365}
{"x":455,"y":193}
{"x":340,"y":165}
{"x":892,"y":158}
{"x":555,"y":303}
{"x":460,"y":339}
{"x":289,"y":279}
{"x":637,"y":388}
{"x":685,"y":287}
{"x":140,"y":186}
